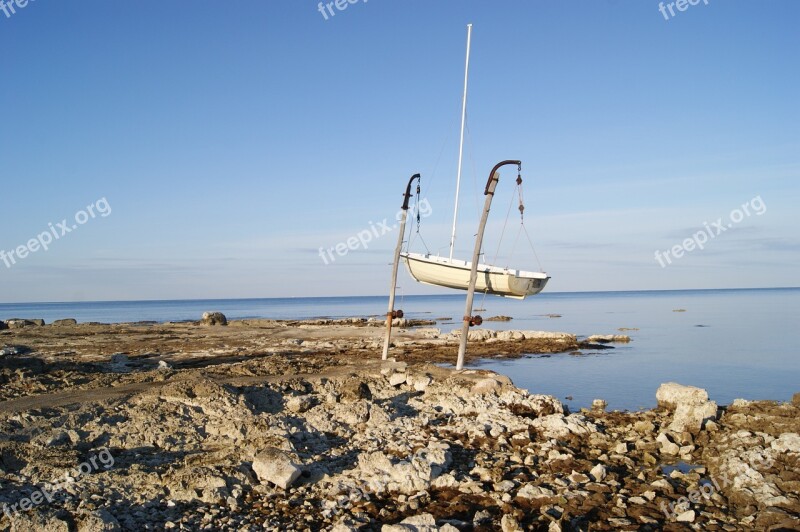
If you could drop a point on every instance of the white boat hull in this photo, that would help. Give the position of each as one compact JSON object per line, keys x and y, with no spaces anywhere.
{"x":440,"y":271}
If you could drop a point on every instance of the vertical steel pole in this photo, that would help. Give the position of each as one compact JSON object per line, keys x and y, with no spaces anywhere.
{"x":494,"y":177}
{"x":397,"y":249}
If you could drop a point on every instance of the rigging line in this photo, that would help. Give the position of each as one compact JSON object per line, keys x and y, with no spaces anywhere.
{"x":532,"y":248}
{"x":438,"y":160}
{"x":502,"y":233}
{"x":483,"y":301}
{"x":447,"y":137}
{"x":472,"y":162}
{"x":514,"y":247}
{"x":471,"y":150}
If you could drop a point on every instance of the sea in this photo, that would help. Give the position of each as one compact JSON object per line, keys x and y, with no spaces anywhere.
{"x":735,"y":343}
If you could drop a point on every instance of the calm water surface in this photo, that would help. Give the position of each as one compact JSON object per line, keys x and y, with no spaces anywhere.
{"x":734,"y":343}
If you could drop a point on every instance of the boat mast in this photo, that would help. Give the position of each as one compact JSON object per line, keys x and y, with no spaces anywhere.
{"x":461,"y":142}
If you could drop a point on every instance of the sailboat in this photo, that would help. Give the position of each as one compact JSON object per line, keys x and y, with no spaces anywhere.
{"x":453,"y":273}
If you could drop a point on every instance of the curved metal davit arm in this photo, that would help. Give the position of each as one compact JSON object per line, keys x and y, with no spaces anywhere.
{"x":391,"y":314}
{"x":495,"y":169}
{"x":469,"y":320}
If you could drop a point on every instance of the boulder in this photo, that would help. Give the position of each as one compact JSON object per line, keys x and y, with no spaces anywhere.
{"x":17,"y":323}
{"x":671,"y":394}
{"x":692,"y":409}
{"x":214,"y":318}
{"x":487,"y":385}
{"x":693,"y":418}
{"x":599,"y":405}
{"x":788,"y":442}
{"x":274,"y":466}
{"x":65,"y":322}
{"x":396,"y":379}
{"x":480,"y":335}
{"x":510,"y":335}
{"x":354,"y":390}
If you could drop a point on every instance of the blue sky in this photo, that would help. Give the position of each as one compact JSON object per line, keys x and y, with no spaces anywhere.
{"x":232,"y":140}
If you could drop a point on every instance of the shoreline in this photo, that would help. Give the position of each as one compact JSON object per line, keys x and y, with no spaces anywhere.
{"x":298,"y":425}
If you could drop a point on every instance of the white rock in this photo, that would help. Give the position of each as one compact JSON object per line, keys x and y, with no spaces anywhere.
{"x":480,"y":335}
{"x":275,"y":466}
{"x":417,"y":523}
{"x":508,"y":336}
{"x":428,"y":332}
{"x":608,"y":338}
{"x":487,"y":385}
{"x":396,"y":379}
{"x":547,"y":335}
{"x":509,"y":524}
{"x":299,"y":403}
{"x":686,"y":517}
{"x":672,"y":394}
{"x":692,"y":417}
{"x":559,"y":426}
{"x":419,"y":382}
{"x":667,"y":445}
{"x":531,"y":491}
{"x":788,"y":442}
{"x":598,"y":472}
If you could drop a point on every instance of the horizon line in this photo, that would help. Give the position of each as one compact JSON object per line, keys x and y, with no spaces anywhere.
{"x":385,"y":295}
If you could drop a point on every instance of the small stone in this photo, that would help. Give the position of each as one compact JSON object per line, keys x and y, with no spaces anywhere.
{"x":275,"y":466}
{"x":686,"y":517}
{"x":578,"y":478}
{"x":599,"y":405}
{"x":598,"y":472}
{"x":504,"y":486}
{"x":509,"y":524}
{"x":481,"y":516}
{"x":396,"y":379}
{"x":299,"y":403}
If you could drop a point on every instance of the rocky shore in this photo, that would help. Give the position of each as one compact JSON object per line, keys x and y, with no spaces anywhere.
{"x":287,"y":425}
